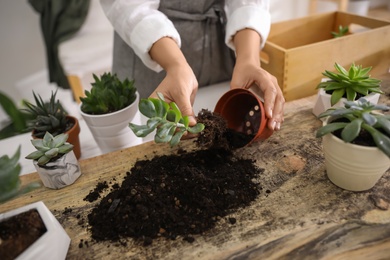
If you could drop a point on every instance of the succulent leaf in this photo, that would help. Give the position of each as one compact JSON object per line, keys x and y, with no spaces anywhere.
{"x":166,"y":119}
{"x":49,"y":147}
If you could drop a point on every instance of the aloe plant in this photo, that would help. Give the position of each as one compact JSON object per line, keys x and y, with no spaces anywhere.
{"x":48,"y":116}
{"x":356,"y":116}
{"x":9,"y":178}
{"x":349,"y":84}
{"x":166,"y":119}
{"x":49,"y":147}
{"x":108,"y":94}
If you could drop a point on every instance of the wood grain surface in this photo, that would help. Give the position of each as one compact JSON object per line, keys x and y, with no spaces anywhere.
{"x":299,"y":213}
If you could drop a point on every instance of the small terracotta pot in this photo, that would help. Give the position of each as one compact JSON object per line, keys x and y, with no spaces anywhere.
{"x":73,"y":136}
{"x":244,"y":112}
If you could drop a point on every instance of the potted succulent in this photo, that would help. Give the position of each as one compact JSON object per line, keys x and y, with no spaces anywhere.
{"x":55,"y":161}
{"x":108,"y":108}
{"x":51,"y":117}
{"x":344,"y":85}
{"x":356,"y":144}
{"x":166,"y":119}
{"x":46,"y":238}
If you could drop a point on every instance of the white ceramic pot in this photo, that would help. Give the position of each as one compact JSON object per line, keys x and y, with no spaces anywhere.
{"x":111,"y":131}
{"x":359,"y":7}
{"x":323,"y":101}
{"x":353,"y":167}
{"x":60,"y":173}
{"x":53,"y":244}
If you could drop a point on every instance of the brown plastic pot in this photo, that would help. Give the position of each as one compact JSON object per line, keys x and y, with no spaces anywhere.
{"x":73,"y":136}
{"x":244,"y":112}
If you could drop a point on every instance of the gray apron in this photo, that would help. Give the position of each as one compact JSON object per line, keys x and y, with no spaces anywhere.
{"x":201,"y":25}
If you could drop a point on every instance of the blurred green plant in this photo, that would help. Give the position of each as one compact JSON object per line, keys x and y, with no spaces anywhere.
{"x":9,"y":178}
{"x":166,"y":119}
{"x":342,"y":31}
{"x":18,"y":118}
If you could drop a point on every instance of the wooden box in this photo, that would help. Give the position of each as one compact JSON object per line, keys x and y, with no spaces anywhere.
{"x":298,"y":51}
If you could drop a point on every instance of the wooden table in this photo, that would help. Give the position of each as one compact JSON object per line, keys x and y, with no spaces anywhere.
{"x":302,"y":216}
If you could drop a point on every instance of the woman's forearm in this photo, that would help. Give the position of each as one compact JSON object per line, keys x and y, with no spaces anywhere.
{"x":167,"y":53}
{"x":247,"y":43}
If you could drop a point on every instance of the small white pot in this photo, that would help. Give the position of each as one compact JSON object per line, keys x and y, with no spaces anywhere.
{"x":353,"y":167}
{"x":60,"y":173}
{"x":111,"y":131}
{"x":323,"y":101}
{"x":53,"y":244}
{"x":360,"y":7}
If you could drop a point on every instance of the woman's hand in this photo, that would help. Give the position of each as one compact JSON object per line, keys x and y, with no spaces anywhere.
{"x":248,"y":73}
{"x":180,"y":84}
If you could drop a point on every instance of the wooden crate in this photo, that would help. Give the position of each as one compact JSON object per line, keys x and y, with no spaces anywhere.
{"x":299,"y":50}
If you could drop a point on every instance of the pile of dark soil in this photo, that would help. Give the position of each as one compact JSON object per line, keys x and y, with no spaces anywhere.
{"x":177,"y":195}
{"x":19,"y":232}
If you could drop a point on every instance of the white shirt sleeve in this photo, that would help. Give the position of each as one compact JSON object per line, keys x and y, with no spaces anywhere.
{"x":140,"y":25}
{"x":253,"y":14}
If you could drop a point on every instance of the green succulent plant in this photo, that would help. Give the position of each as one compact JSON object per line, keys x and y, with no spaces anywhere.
{"x":355,"y":117}
{"x":108,"y":94}
{"x":349,"y":84}
{"x":48,"y":116}
{"x":9,"y":178}
{"x":166,"y":119}
{"x":50,"y":147}
{"x":342,"y":31}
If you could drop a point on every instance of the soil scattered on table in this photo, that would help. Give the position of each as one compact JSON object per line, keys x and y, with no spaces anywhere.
{"x":178,"y":195}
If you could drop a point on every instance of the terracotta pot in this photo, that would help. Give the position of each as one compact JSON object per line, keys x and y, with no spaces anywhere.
{"x":73,"y":136}
{"x":244,"y":112}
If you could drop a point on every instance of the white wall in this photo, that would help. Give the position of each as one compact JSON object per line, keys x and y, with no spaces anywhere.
{"x":21,"y":44}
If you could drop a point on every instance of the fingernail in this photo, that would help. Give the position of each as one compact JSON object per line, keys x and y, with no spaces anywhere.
{"x":277,"y":127}
{"x":273,"y":125}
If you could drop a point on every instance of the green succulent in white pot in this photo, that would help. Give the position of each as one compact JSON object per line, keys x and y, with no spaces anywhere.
{"x":346,"y":85}
{"x":55,"y":161}
{"x":108,"y":108}
{"x":356,"y":144}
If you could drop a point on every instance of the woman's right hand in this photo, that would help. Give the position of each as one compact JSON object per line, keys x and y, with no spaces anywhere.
{"x":180,"y":84}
